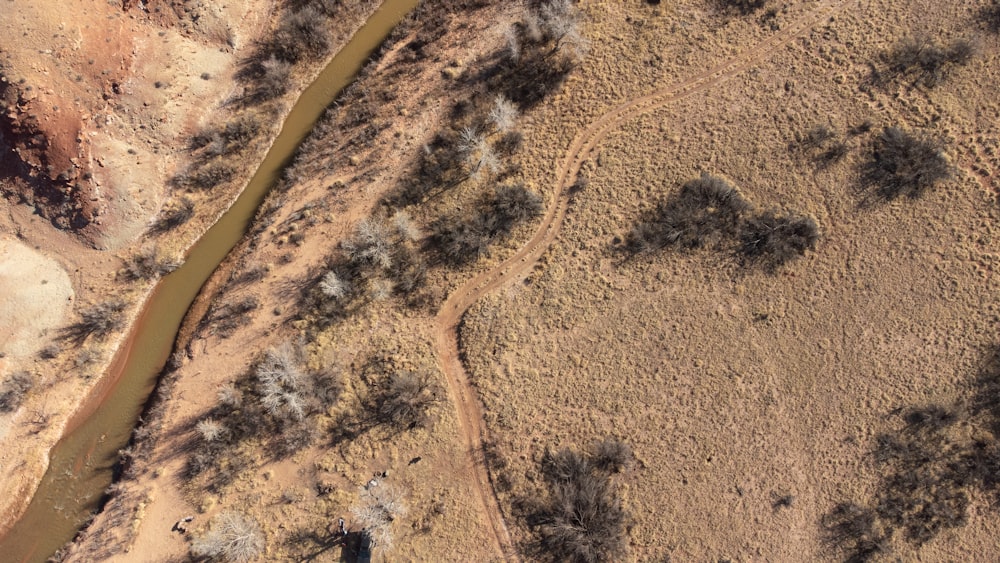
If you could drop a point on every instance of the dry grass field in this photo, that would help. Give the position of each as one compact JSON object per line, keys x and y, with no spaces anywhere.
{"x":737,"y":387}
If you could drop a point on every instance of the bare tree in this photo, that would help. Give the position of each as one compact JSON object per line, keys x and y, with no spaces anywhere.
{"x":233,"y":537}
{"x":333,"y":286}
{"x":561,"y":22}
{"x":283,"y":383}
{"x":479,"y":154}
{"x":504,"y":114}
{"x":380,"y":505}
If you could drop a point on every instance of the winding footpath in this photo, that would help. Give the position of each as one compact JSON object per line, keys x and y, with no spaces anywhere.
{"x":463,"y":394}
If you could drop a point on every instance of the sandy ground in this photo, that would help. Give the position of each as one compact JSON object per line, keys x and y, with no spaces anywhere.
{"x":37,"y":293}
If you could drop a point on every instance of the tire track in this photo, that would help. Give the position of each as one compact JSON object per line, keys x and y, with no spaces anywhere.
{"x":470,"y":412}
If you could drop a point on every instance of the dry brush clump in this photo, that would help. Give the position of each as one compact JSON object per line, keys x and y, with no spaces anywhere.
{"x":478,"y":144}
{"x":391,"y":397}
{"x":541,"y":51}
{"x":582,"y":519}
{"x":174,"y":215}
{"x":232,"y":537}
{"x":924,"y":62}
{"x":462,"y":238}
{"x":274,"y":402}
{"x":772,"y":239}
{"x":14,"y":390}
{"x":905,"y":164}
{"x":380,"y":260}
{"x":742,"y":7}
{"x":930,"y":469}
{"x":709,"y":212}
{"x":704,"y":212}
{"x":147,"y":264}
{"x":822,"y":145}
{"x":98,"y":321}
{"x":379,"y":505}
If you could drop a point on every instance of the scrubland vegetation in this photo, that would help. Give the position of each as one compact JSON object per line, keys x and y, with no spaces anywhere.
{"x":929,"y":468}
{"x":467,"y":196}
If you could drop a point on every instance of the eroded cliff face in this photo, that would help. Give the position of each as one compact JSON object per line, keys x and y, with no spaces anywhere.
{"x":44,"y":161}
{"x":97,"y":99}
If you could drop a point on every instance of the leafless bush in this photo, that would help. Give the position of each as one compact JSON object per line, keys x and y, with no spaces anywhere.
{"x":272,"y":79}
{"x":773,"y":239}
{"x":98,"y":321}
{"x":990,"y":17}
{"x":503,"y":115}
{"x":174,"y":215}
{"x":379,"y":506}
{"x":14,"y":390}
{"x":459,"y":240}
{"x":582,"y":520}
{"x":905,"y":164}
{"x":148,"y":264}
{"x":611,"y":455}
{"x":705,"y":211}
{"x":406,"y":400}
{"x":381,"y":259}
{"x":211,"y":430}
{"x":283,"y":385}
{"x":207,"y":176}
{"x":742,"y":7}
{"x":233,"y":537}
{"x":301,"y":33}
{"x":925,"y":62}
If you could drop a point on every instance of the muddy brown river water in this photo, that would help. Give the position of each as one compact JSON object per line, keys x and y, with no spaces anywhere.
{"x":81,"y":464}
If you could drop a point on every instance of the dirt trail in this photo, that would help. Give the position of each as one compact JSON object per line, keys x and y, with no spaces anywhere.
{"x":464,"y":396}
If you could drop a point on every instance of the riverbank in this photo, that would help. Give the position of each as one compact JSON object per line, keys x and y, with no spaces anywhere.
{"x":339,"y":179}
{"x":56,"y":400}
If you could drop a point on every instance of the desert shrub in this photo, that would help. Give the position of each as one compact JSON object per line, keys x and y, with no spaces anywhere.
{"x":233,"y":137}
{"x":742,"y":7}
{"x":175,"y":215}
{"x":905,"y":164}
{"x":380,"y":260}
{"x":705,"y":211}
{"x":282,"y":384}
{"x":990,"y":17}
{"x":301,"y":33}
{"x":226,"y":317}
{"x":14,"y":390}
{"x":233,"y":537}
{"x":611,"y":455}
{"x":207,"y":176}
{"x":461,"y":239}
{"x":98,"y":321}
{"x":852,"y":529}
{"x":378,"y":507}
{"x":270,"y":79}
{"x":582,"y":519}
{"x":504,"y":114}
{"x":929,"y":470}
{"x":478,"y":154}
{"x":926,"y":63}
{"x":772,"y":239}
{"x":541,"y":50}
{"x":147,"y":264}
{"x":822,"y":145}
{"x":406,"y":400}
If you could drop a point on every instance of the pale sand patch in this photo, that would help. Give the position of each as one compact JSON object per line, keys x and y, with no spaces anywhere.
{"x":35,"y":293}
